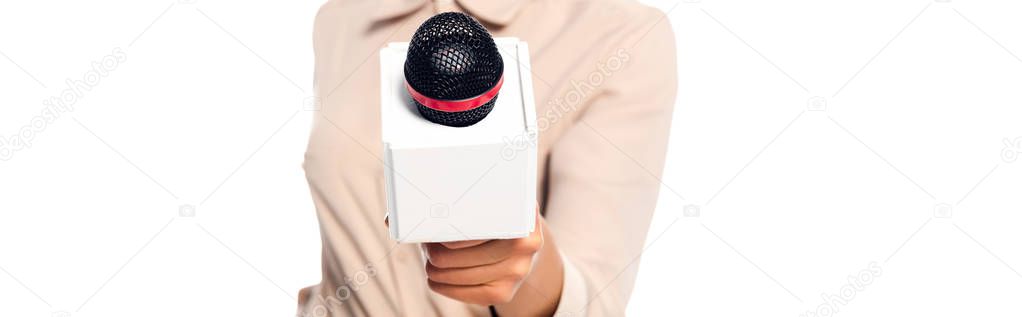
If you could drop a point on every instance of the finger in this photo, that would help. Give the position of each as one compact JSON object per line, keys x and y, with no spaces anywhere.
{"x":513,"y":268}
{"x":540,"y":221}
{"x":498,"y":292}
{"x":454,"y":245}
{"x":538,"y":229}
{"x":483,"y":254}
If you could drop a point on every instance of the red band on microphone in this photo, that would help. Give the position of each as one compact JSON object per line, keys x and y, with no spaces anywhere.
{"x":456,"y":105}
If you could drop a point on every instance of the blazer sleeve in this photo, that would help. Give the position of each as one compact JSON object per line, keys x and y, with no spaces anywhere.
{"x":604,"y":172}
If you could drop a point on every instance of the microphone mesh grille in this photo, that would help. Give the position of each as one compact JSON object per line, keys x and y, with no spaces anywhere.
{"x":452,"y":57}
{"x":456,"y":119}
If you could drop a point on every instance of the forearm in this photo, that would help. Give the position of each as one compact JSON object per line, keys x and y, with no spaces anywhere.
{"x":540,"y":292}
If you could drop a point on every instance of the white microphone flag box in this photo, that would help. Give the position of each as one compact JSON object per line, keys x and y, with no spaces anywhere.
{"x":447,"y":183}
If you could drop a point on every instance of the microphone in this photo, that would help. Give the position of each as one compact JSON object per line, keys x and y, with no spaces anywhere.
{"x":453,"y":70}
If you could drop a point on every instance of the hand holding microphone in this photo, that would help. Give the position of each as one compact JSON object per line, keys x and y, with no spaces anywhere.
{"x":489,"y":272}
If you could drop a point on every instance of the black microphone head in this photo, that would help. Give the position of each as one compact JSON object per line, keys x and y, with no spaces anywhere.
{"x":453,"y":70}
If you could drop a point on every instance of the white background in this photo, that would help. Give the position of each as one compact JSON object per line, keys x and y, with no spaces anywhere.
{"x":207,"y":111}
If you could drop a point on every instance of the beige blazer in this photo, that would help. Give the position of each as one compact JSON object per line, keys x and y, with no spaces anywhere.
{"x":604,"y":74}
